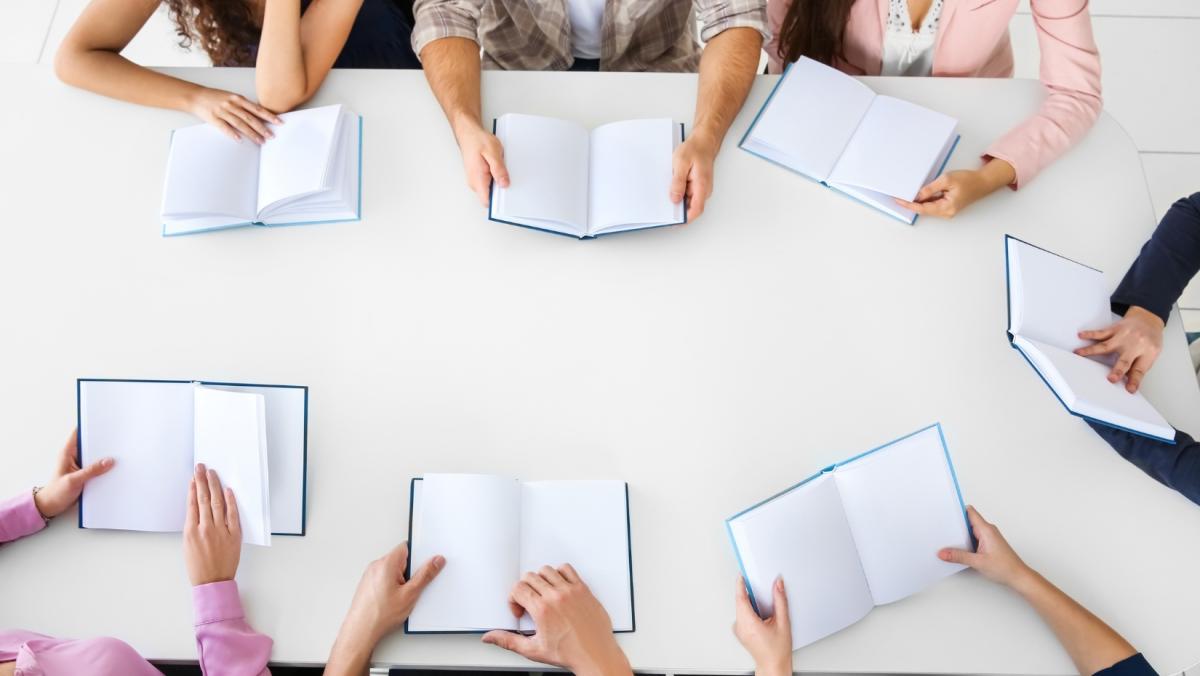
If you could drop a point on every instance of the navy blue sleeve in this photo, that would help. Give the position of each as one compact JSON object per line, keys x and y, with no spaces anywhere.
{"x":1130,"y":666}
{"x":1175,"y":465}
{"x":1166,"y":264}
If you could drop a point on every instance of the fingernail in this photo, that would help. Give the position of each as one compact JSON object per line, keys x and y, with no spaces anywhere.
{"x":779,"y":583}
{"x":212,"y":474}
{"x":106,"y":462}
{"x":200,"y":468}
{"x":439,"y":561}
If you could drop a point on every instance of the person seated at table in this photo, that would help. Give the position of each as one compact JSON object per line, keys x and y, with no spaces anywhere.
{"x":292,"y":44}
{"x":1154,"y":282}
{"x":212,"y":545}
{"x":1092,"y":645}
{"x":956,"y":38}
{"x":573,"y":630}
{"x":617,"y":35}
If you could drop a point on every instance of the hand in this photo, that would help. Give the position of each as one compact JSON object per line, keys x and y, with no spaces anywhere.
{"x":1137,"y":342}
{"x":483,"y":160}
{"x":384,"y":600}
{"x":994,"y":558}
{"x":692,"y":172}
{"x":954,"y":191}
{"x":67,"y":483}
{"x":212,"y":534}
{"x":573,"y":629}
{"x":234,"y":115}
{"x":768,"y":641}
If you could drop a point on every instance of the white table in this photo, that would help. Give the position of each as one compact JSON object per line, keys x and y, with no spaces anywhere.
{"x":709,"y":366}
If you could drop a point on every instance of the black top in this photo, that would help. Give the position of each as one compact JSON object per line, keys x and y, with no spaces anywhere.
{"x":381,"y":37}
{"x":1166,"y":264}
{"x":1130,"y":666}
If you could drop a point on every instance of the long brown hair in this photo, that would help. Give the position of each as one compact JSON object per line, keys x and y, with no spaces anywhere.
{"x":226,"y":29}
{"x":814,"y":28}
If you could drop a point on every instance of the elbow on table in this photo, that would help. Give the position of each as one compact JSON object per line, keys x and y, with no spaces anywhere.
{"x":281,"y":97}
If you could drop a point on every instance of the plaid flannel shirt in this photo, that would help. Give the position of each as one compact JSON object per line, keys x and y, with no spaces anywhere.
{"x":636,"y":35}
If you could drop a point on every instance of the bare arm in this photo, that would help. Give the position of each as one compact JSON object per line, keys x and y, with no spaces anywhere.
{"x":727,"y":69}
{"x":90,"y":58}
{"x":452,"y":69}
{"x":296,"y":52}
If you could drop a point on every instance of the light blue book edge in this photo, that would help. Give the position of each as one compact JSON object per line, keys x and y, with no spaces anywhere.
{"x":953,"y":475}
{"x":234,"y":226}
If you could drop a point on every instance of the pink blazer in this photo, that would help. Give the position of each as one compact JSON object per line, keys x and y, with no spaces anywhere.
{"x":973,"y":41}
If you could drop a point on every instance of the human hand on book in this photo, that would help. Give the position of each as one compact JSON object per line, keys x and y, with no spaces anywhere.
{"x":573,"y":629}
{"x":692,"y":172}
{"x":768,"y":641}
{"x":994,"y":558}
{"x":483,"y":159}
{"x":67,"y":483}
{"x":233,"y":114}
{"x":954,"y":191}
{"x":382,"y":602}
{"x":212,"y":533}
{"x":1136,"y":340}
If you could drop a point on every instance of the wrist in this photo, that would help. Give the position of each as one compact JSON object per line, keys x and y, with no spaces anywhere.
{"x":610,"y":662}
{"x":1142,"y":314}
{"x":1026,"y":581}
{"x":779,"y":667}
{"x":999,"y":173}
{"x":39,"y":504}
{"x":463,"y":123}
{"x":706,"y":136}
{"x":190,"y":100}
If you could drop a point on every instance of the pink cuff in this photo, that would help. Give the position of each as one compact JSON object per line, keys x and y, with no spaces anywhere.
{"x":216,"y":602}
{"x":19,"y":516}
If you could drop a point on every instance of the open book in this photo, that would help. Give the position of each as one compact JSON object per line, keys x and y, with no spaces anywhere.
{"x":568,"y":180}
{"x":1050,"y":300}
{"x":254,"y":436}
{"x":309,"y":173}
{"x":860,"y":533}
{"x":830,"y":127}
{"x":492,"y":530}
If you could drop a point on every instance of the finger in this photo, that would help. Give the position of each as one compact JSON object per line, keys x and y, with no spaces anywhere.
{"x":397,"y":560}
{"x":939,"y":185}
{"x":68,"y":459}
{"x":226,"y":128}
{"x":193,"y":512}
{"x":1120,"y":369}
{"x":239,"y":124}
{"x":233,"y":520}
{"x":426,"y":573}
{"x":569,"y":574}
{"x":258,"y":111}
{"x":698,"y":192}
{"x":494,"y":155}
{"x":1099,"y":334}
{"x":515,"y":608}
{"x":481,"y":183}
{"x":976,"y":519}
{"x":539,"y":583}
{"x":81,"y":476}
{"x":521,"y":645}
{"x":679,"y":172}
{"x":555,"y":578}
{"x":202,"y":499}
{"x":781,"y":602}
{"x":959,"y":556}
{"x":742,"y":597}
{"x":1107,"y":347}
{"x":253,"y":121}
{"x":525,"y":596}
{"x":216,"y":498}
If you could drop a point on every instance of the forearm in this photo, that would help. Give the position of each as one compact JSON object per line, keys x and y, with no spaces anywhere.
{"x":727,"y":70}
{"x":452,"y":69}
{"x":1166,"y":263}
{"x":110,"y":74}
{"x":279,"y":76}
{"x":1091,"y":643}
{"x":351,"y":654}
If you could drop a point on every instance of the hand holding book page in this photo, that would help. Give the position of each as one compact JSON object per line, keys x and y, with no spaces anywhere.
{"x":1050,"y":300}
{"x":859,"y":534}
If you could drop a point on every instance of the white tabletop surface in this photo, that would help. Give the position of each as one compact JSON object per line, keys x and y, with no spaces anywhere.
{"x":709,"y":366}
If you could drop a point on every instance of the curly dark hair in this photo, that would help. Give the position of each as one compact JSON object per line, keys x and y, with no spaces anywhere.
{"x":226,"y":29}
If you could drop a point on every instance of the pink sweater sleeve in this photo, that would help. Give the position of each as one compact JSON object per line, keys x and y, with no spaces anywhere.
{"x":1070,"y":72}
{"x":226,"y":644}
{"x":19,"y":517}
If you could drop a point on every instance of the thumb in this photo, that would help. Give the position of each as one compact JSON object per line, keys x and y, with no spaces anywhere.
{"x":959,"y":556}
{"x":781,"y":603}
{"x":82,"y":476}
{"x":495,"y":159}
{"x":679,"y":173}
{"x":513,"y":642}
{"x":426,"y":573}
{"x":939,"y":184}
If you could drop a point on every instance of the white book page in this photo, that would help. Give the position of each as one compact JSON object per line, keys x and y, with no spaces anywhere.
{"x":1089,"y":393}
{"x":474,"y":521}
{"x":1051,"y":298}
{"x":147,"y":428}
{"x":630,"y":174}
{"x":547,"y":162}
{"x":210,"y":174}
{"x":810,"y":118}
{"x":295,"y":163}
{"x":804,"y":537}
{"x":896,"y":146}
{"x":286,"y":415}
{"x":231,"y":439}
{"x":585,"y":524}
{"x":903,"y":507}
{"x":340,"y":201}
